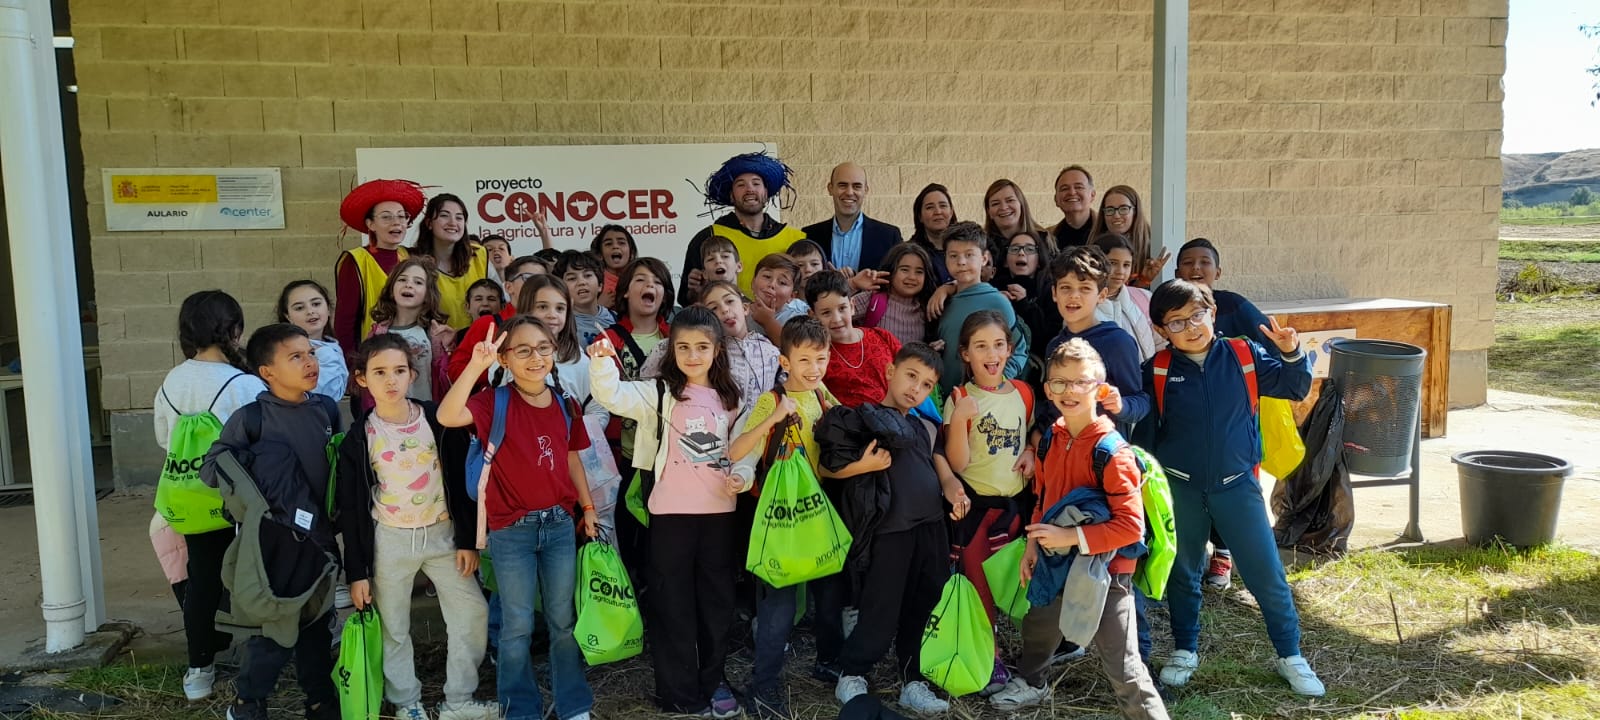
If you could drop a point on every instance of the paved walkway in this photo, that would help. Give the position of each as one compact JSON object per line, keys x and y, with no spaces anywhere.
{"x":136,"y":591}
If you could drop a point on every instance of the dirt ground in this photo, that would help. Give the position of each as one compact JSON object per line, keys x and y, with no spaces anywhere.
{"x":1550,"y":232}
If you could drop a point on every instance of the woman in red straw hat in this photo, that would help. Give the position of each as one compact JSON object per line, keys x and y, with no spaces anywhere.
{"x":381,"y":210}
{"x":442,"y":234}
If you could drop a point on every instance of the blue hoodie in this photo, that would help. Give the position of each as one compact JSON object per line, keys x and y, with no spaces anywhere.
{"x":1121,"y":357}
{"x":982,"y":296}
{"x":1205,"y":430}
{"x":1238,"y":317}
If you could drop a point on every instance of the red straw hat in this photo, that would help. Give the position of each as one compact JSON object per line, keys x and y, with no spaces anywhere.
{"x":359,"y":202}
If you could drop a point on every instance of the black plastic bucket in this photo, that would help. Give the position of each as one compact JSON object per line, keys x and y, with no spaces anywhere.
{"x":1515,"y":496}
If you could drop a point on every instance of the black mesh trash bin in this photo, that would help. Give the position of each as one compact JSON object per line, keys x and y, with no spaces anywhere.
{"x":1382,"y":385}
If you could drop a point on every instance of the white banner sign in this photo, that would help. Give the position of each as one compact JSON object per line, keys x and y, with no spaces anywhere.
{"x":193,"y":198}
{"x":652,"y":190}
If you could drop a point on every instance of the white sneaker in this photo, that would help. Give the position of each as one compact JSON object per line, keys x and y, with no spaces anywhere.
{"x":469,"y":710}
{"x":849,"y":687}
{"x":341,"y":597}
{"x":197,"y":682}
{"x":1018,"y":694}
{"x":414,"y":711}
{"x":848,"y":622}
{"x":1300,"y":676}
{"x":1179,"y":668}
{"x":919,"y":698}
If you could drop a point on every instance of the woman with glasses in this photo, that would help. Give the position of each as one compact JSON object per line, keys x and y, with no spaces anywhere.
{"x":382,"y":211}
{"x":1122,"y":212}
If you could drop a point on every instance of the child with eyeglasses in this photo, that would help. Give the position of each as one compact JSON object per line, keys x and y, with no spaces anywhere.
{"x":1020,"y":278}
{"x":1203,"y":382}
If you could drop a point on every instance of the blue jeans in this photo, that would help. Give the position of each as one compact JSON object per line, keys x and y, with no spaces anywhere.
{"x":1239,"y":515}
{"x":774,"y":621}
{"x":538,"y":555}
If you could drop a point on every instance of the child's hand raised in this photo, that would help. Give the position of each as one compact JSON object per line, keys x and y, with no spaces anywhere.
{"x":602,"y":348}
{"x":1286,"y":338}
{"x":866,"y":280}
{"x":1110,"y":398}
{"x":966,"y":409}
{"x":1152,"y":267}
{"x":485,"y":353}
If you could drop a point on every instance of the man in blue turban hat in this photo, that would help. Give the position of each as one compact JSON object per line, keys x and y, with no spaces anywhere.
{"x":743,"y":183}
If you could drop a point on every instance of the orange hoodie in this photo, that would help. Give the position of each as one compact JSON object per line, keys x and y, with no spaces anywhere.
{"x":1070,"y":465}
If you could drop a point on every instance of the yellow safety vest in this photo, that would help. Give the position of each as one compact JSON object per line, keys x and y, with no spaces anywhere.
{"x":453,"y":290}
{"x":373,"y":278}
{"x":751,"y":250}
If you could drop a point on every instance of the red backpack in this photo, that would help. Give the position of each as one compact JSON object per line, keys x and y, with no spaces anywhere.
{"x":1247,"y":364}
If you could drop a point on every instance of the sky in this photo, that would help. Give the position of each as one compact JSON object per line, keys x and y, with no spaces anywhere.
{"x":1548,"y":95}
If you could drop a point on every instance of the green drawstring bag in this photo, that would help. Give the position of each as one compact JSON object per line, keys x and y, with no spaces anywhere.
{"x":609,"y":627}
{"x":1161,"y":534}
{"x":358,"y":675}
{"x":958,"y":642}
{"x":797,"y":535}
{"x":1003,"y":570}
{"x":188,"y":504}
{"x":634,"y":500}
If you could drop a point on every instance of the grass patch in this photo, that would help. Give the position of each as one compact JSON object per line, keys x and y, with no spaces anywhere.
{"x":1482,"y":633}
{"x":1547,"y":348}
{"x":1576,"y":220}
{"x":1582,"y":251}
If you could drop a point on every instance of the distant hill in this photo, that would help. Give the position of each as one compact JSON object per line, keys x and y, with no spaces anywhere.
{"x":1539,"y":178}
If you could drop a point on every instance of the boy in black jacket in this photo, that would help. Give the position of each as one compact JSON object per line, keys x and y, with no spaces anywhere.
{"x":281,"y":439}
{"x":403,"y":508}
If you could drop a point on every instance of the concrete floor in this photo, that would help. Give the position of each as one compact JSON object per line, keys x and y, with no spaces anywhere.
{"x":136,"y":591}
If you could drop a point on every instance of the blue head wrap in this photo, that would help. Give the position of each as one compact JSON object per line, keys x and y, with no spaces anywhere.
{"x":773,"y":172}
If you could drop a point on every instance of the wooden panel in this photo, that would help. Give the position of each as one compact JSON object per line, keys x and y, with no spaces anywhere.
{"x":1425,"y":325}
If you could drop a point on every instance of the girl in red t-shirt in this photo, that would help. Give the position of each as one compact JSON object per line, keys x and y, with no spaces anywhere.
{"x":534,"y":484}
{"x":858,"y":356}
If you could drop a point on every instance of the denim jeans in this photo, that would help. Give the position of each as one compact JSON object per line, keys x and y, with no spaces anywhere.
{"x":774,"y":621}
{"x":539,"y":553}
{"x":1239,"y":515}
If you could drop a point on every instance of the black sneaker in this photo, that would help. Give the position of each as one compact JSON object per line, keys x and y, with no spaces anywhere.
{"x":768,"y":704}
{"x":245,"y":710}
{"x":825,"y":672}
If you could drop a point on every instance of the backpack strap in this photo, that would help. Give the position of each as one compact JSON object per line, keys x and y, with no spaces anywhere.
{"x":252,"y":422}
{"x":1027,"y":402}
{"x":566,"y":413}
{"x":1107,"y":447}
{"x":1159,"y":365}
{"x":1247,"y":365}
{"x":636,"y":355}
{"x":661,"y":410}
{"x":497,"y":427}
{"x":214,"y":398}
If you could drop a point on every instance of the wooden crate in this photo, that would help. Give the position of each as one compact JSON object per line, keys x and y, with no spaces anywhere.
{"x":1424,"y":324}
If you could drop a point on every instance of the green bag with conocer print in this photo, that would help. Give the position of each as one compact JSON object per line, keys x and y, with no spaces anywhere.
{"x":188,"y":504}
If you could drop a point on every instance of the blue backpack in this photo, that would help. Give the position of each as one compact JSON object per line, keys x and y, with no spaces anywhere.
{"x":481,"y":458}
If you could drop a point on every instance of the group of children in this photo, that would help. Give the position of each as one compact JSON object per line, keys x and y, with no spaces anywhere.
{"x":581,"y":380}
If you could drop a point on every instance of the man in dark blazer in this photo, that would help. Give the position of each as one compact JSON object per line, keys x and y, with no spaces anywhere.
{"x":851,"y":240}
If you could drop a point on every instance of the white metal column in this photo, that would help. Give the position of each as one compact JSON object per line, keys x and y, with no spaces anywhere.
{"x":32,"y":160}
{"x":1169,"y":128}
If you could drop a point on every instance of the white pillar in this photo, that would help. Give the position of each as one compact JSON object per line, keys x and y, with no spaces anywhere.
{"x":1169,"y":128}
{"x":33,"y":167}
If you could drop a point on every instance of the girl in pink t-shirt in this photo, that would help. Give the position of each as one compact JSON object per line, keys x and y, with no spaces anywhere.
{"x":685,"y":420}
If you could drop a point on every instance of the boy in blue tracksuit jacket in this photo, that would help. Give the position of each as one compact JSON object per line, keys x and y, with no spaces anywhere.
{"x":1205,"y":431}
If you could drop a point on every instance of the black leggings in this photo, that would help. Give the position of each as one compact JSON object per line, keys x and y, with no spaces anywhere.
{"x":203,"y":595}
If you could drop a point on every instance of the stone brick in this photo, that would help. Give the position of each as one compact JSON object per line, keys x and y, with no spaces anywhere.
{"x":502,"y":117}
{"x":399,"y":83}
{"x":138,"y":43}
{"x":691,"y":53}
{"x":1385,"y":8}
{"x":1205,"y":27}
{"x":107,"y":12}
{"x":1467,"y":31}
{"x":191,"y":151}
{"x":144,"y":114}
{"x":310,"y":184}
{"x":1486,"y":60}
{"x":134,"y":356}
{"x":323,"y":14}
{"x":566,"y":52}
{"x":635,"y":53}
{"x":363,"y":48}
{"x":181,"y":12}
{"x":297,"y":116}
{"x":264,"y":81}
{"x":113,"y":79}
{"x":897,"y":24}
{"x":219,"y":44}
{"x":1419,"y":31}
{"x":223,"y":115}
{"x":291,"y":46}
{"x":93,"y":115}
{"x":187,"y":80}
{"x":331,"y":151}
{"x":466,"y":84}
{"x":632,"y":118}
{"x":255,"y":13}
{"x":367,"y":116}
{"x":597,"y":85}
{"x":499,"y":50}
{"x":466,"y":15}
{"x":1345,"y":30}
{"x":435,"y":117}
{"x":328,"y":82}
{"x":281,"y":151}
{"x":123,"y":289}
{"x":150,"y":322}
{"x":527,"y":84}
{"x":1323,"y":7}
{"x":381,"y":15}
{"x":120,"y":149}
{"x":569,"y":118}
{"x":235,"y":253}
{"x":432,"y":49}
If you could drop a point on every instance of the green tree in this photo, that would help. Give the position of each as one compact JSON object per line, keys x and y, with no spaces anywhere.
{"x":1581,"y":197}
